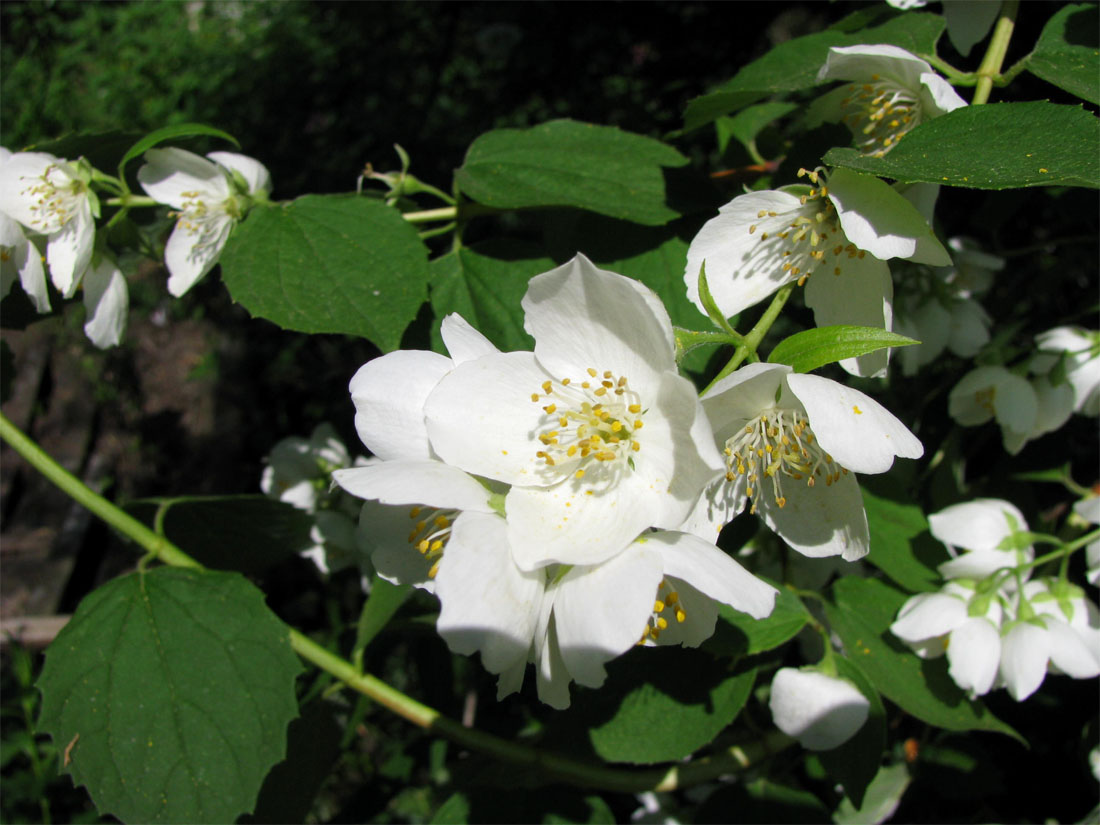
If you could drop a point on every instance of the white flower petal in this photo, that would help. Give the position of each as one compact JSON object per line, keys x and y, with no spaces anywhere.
{"x":69,"y":251}
{"x":1088,"y":509}
{"x":856,"y":430}
{"x":986,"y":392}
{"x":821,"y":712}
{"x":106,"y":302}
{"x":708,"y":569}
{"x":551,"y":674}
{"x":254,"y":173}
{"x":879,"y":220}
{"x":862,"y":61}
{"x":742,"y":395}
{"x":170,"y":175}
{"x":1069,"y":652}
{"x":823,"y":520}
{"x":969,"y":330}
{"x":1024,"y":655}
{"x":1055,"y":405}
{"x":974,"y":653}
{"x":18,"y":174}
{"x":938,"y":97}
{"x":981,"y":524}
{"x":581,"y":316}
{"x":383,"y":534}
{"x":389,"y":394}
{"x":463,"y":342}
{"x":190,"y":254}
{"x":928,"y":616}
{"x":415,"y":482}
{"x":977,"y":564}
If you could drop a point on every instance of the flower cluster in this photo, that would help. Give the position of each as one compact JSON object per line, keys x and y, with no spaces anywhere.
{"x":997,"y":628}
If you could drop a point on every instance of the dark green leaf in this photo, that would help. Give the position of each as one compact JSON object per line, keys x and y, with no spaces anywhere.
{"x":762,"y":800}
{"x":384,"y":600}
{"x":746,"y":124}
{"x":814,"y":348}
{"x":994,"y":146}
{"x":651,"y":711}
{"x":454,"y":811}
{"x":484,"y":284}
{"x":863,"y":611}
{"x":566,"y":163}
{"x":1067,"y":52}
{"x":855,"y":763}
{"x":102,"y":149}
{"x":893,"y":526}
{"x":180,"y":130}
{"x":244,"y":533}
{"x":329,"y":263}
{"x":741,"y":635}
{"x":794,"y":65}
{"x":174,"y":690}
{"x":883,"y":795}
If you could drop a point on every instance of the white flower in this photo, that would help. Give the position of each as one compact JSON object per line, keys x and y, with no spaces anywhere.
{"x":973,"y":267}
{"x":986,"y":528}
{"x":298,"y":469}
{"x":211,"y":196}
{"x":51,"y":196}
{"x":821,"y":712}
{"x":1080,"y":349}
{"x":1056,"y":628}
{"x":20,"y":258}
{"x":790,"y":441}
{"x":963,"y":624}
{"x":1089,"y":510}
{"x":994,"y":392}
{"x":597,"y":433}
{"x":892,"y":92}
{"x":571,"y":620}
{"x":842,"y":233}
{"x":106,"y":303}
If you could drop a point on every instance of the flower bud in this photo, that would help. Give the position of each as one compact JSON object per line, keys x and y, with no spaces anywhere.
{"x":820,"y":711}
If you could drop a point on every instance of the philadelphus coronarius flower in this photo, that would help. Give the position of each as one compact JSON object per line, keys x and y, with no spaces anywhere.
{"x":210,"y":196}
{"x":1080,"y":349}
{"x":985,"y":530}
{"x":841,"y":230}
{"x":822,"y":712}
{"x":892,"y":92}
{"x":51,"y":196}
{"x":106,"y":302}
{"x":790,"y":443}
{"x":597,"y":433}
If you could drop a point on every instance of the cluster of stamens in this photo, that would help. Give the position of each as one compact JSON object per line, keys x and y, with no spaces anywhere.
{"x":804,"y":234}
{"x":588,"y":424}
{"x":199,"y":218}
{"x":55,"y":195}
{"x":778,"y":443}
{"x":430,"y":532}
{"x":881,"y":111}
{"x":667,"y":604}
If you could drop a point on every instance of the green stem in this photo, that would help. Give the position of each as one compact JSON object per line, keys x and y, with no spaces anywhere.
{"x":132,"y":200}
{"x":995,"y":54}
{"x":953,"y":75}
{"x":755,"y":335}
{"x":443,"y":213}
{"x":585,"y":774}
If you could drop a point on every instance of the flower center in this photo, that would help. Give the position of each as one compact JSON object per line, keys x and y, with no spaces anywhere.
{"x":803,"y":237}
{"x":199,"y":218}
{"x":56,"y":197}
{"x":589,"y":429}
{"x":667,"y":605}
{"x":881,"y":112}
{"x":430,"y":532}
{"x":778,"y":443}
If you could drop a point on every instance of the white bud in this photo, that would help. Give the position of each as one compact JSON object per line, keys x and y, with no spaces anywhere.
{"x":820,"y":711}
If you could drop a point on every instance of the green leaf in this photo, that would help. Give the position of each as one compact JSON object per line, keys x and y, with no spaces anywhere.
{"x":329,"y":263}
{"x":748,"y":123}
{"x":855,"y":763}
{"x":814,"y":348}
{"x":994,"y":146}
{"x":1067,"y":50}
{"x":883,"y":796}
{"x":180,"y":130}
{"x":454,"y":811}
{"x":893,"y":526}
{"x":862,"y":614}
{"x":648,"y":712}
{"x":244,"y":533}
{"x":174,"y":690}
{"x":102,"y":149}
{"x":740,"y":634}
{"x":485,"y":283}
{"x":384,"y":600}
{"x":566,"y":163}
{"x":793,"y":65}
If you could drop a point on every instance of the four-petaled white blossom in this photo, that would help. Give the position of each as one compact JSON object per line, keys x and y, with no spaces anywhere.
{"x":991,"y":533}
{"x":891,"y":92}
{"x":841,"y":231}
{"x":790,"y":443}
{"x":822,"y":712}
{"x":596,"y":431}
{"x":51,"y":196}
{"x":1089,"y":510}
{"x":210,"y":196}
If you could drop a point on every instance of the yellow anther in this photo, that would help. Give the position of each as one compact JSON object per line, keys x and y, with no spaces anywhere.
{"x":658,"y":606}
{"x":592,"y":372}
{"x":414,"y":512}
{"x":680,"y":615}
{"x":550,"y":408}
{"x":662,"y":623}
{"x":579,"y":473}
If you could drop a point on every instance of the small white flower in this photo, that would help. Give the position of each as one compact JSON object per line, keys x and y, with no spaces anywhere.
{"x":991,"y":392}
{"x":211,"y":196}
{"x":841,"y":231}
{"x":20,"y":258}
{"x":1081,"y":350}
{"x":789,"y":442}
{"x":892,"y":93}
{"x":973,"y":269}
{"x":106,"y":303}
{"x":51,"y":196}
{"x":298,"y":469}
{"x":985,"y":528}
{"x":821,"y":712}
{"x":597,"y":433}
{"x":1089,"y":510}
{"x":571,"y":620}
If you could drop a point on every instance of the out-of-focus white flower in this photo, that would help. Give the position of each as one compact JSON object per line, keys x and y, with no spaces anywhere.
{"x":211,"y":196}
{"x":789,"y":442}
{"x":1078,"y":350}
{"x":841,"y":231}
{"x":20,"y":258}
{"x":106,"y":303}
{"x":974,"y":268}
{"x":991,"y":392}
{"x":990,"y":532}
{"x":821,"y":712}
{"x":51,"y":196}
{"x":892,"y":92}
{"x":1089,"y":510}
